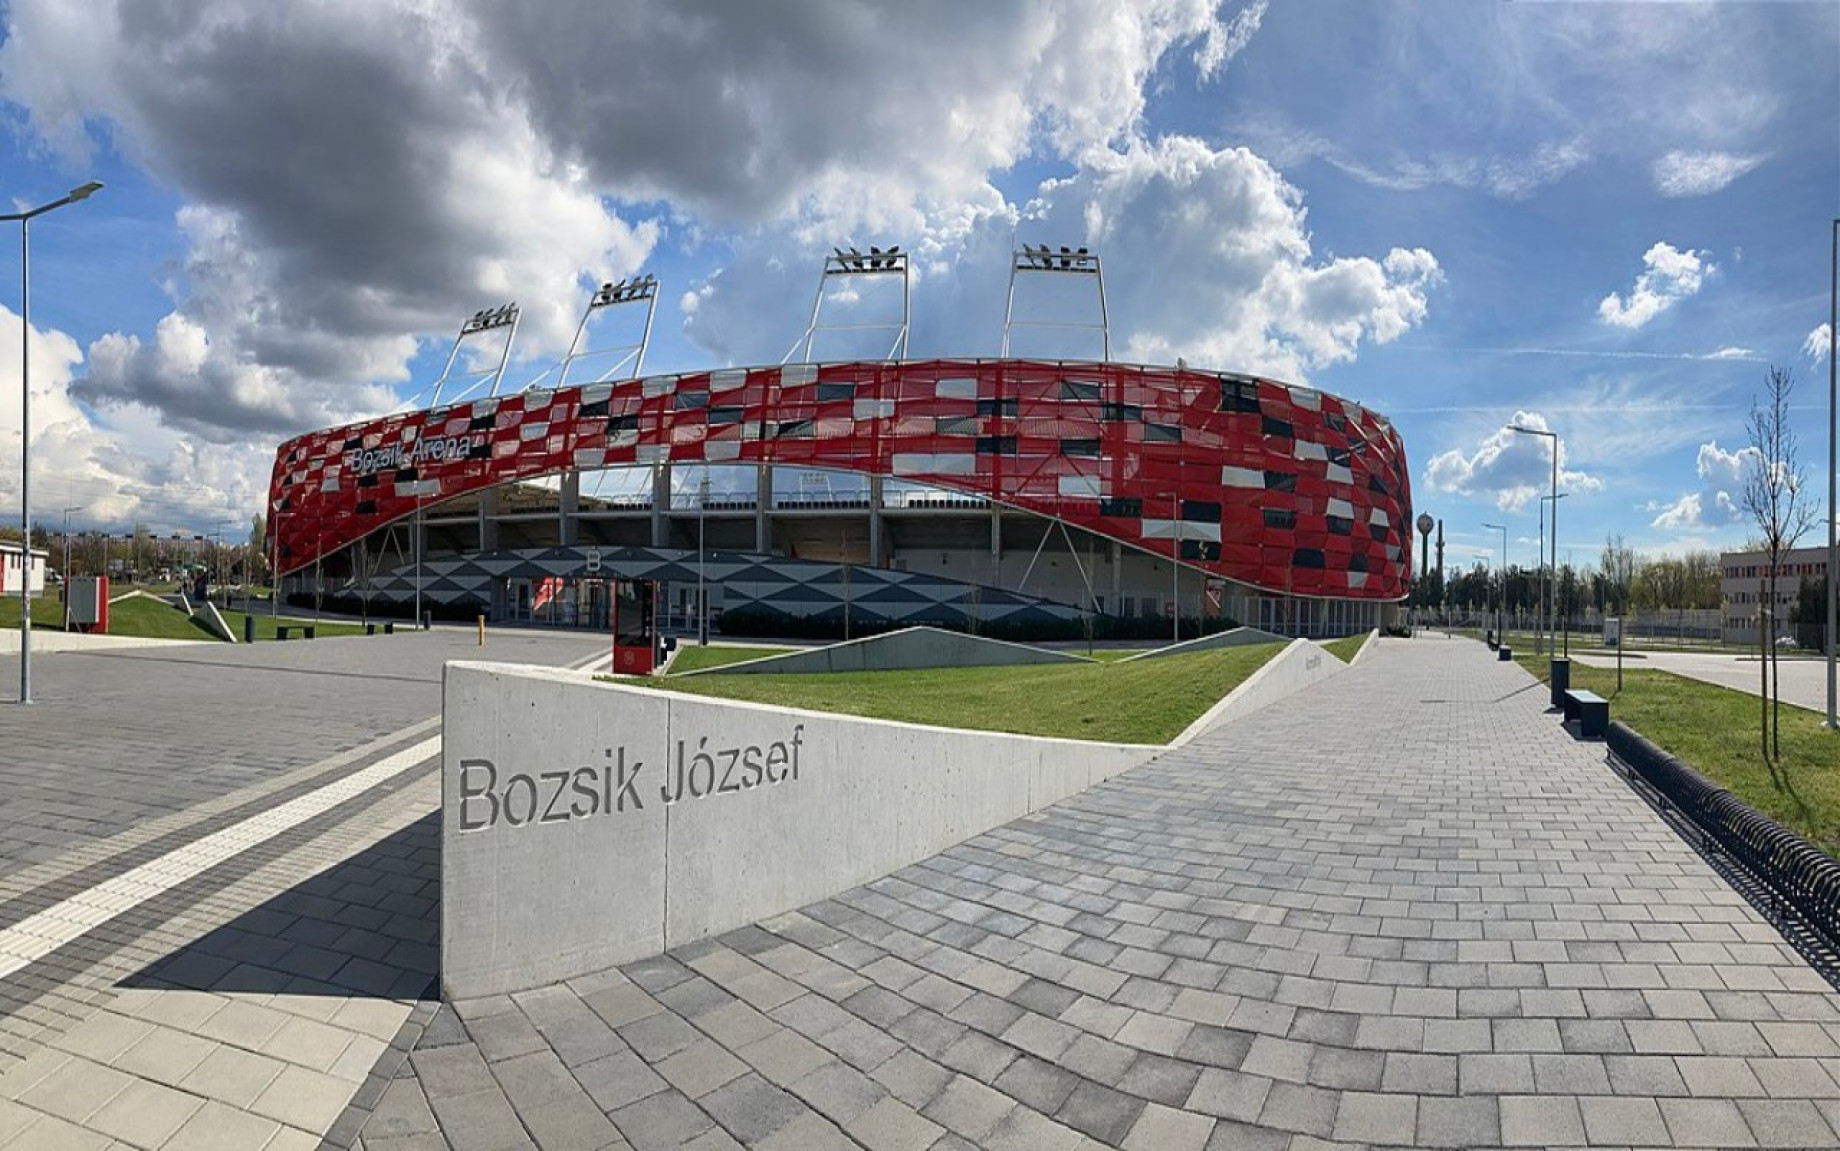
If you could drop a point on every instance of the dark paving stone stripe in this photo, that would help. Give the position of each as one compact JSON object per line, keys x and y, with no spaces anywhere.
{"x":34,"y":900}
{"x":140,"y":926}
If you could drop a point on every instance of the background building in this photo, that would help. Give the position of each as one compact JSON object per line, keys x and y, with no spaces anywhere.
{"x":12,"y":565}
{"x":1743,"y":585}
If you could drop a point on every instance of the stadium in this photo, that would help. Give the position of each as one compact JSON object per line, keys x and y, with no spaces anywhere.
{"x":1010,"y":496}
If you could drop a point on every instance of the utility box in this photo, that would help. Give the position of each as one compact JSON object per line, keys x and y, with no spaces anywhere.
{"x":87,"y":604}
{"x":1613,"y":631}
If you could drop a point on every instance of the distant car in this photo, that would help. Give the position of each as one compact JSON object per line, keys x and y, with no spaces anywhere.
{"x":1786,"y":641}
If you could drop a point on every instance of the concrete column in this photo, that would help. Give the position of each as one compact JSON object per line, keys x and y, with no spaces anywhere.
{"x":763,"y":509}
{"x":661,"y":506}
{"x":875,"y":521}
{"x":996,"y":545}
{"x":1117,"y":607}
{"x":488,"y":520}
{"x":571,"y":507}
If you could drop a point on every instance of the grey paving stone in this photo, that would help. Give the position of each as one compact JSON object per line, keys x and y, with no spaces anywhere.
{"x":1625,"y":1122}
{"x":968,"y":1108}
{"x":664,"y":1120}
{"x":752,"y":1109}
{"x":1786,"y":1123}
{"x":1100,"y":1112}
{"x":1037,"y":1084}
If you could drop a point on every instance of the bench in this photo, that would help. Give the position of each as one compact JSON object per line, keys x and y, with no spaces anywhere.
{"x":281,"y":631}
{"x":1592,"y":711}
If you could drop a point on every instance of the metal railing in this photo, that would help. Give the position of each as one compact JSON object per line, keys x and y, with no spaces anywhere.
{"x":1795,"y":872}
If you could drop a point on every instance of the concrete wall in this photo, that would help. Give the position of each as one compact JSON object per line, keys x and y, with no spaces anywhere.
{"x":214,"y":620}
{"x":568,"y":845}
{"x":1301,"y":665}
{"x":1234,"y":637}
{"x":913,"y":647}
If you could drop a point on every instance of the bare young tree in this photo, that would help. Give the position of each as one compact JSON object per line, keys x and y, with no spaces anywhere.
{"x":1774,"y":496}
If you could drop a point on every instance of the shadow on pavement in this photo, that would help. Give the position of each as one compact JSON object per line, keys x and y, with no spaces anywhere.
{"x":366,"y":927}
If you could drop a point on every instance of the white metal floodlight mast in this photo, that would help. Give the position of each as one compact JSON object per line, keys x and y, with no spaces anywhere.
{"x":484,"y":320}
{"x":890,"y":261}
{"x":637,"y":290}
{"x":1065,"y":261}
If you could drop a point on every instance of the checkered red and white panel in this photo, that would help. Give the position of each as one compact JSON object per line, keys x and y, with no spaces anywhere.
{"x":1282,"y":488}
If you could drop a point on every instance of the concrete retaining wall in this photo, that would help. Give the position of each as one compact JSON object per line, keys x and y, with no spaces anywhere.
{"x":1235,"y":637}
{"x":569,"y":843}
{"x":909,"y":648}
{"x":214,"y":620}
{"x":1303,"y":664}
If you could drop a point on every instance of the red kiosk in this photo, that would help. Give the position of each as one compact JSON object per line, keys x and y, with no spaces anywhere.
{"x":635,"y":626}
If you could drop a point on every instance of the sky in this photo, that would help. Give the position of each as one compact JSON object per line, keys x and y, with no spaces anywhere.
{"x":1608,"y":220}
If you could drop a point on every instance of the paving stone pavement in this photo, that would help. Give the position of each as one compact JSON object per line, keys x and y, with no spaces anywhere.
{"x":265,"y":998}
{"x":1403,"y":908}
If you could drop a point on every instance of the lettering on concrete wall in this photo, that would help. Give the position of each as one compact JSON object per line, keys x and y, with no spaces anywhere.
{"x":489,"y":797}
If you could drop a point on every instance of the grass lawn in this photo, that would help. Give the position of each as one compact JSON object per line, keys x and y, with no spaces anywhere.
{"x":1345,"y":649}
{"x":47,"y":611}
{"x":1149,"y":701}
{"x":690,"y":657}
{"x":1714,"y":730}
{"x":265,"y":626}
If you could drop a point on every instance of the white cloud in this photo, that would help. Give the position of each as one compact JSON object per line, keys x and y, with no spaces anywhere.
{"x":1682,"y":173}
{"x":1815,"y":347}
{"x":442,"y":157}
{"x":1668,"y":276}
{"x":1206,"y":254}
{"x":1225,"y":41}
{"x":1513,"y":467}
{"x":118,"y":467}
{"x":1732,"y":352}
{"x":1715,"y":504}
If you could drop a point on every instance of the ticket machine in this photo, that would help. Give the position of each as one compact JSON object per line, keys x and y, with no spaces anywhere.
{"x":635,"y":626}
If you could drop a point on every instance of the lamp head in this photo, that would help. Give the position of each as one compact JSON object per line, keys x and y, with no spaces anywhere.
{"x":83,"y":192}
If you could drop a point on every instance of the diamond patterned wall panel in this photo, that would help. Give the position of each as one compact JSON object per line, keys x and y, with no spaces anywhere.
{"x":774,"y":583}
{"x":1282,"y":488}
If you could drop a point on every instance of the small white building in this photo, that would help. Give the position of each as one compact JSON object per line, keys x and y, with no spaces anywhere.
{"x":11,"y":566}
{"x":1742,"y":584}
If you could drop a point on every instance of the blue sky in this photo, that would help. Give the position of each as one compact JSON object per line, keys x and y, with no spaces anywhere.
{"x":1607,"y":219}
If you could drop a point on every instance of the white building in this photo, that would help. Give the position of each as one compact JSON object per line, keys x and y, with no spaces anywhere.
{"x":10,"y":565}
{"x":1743,"y":587}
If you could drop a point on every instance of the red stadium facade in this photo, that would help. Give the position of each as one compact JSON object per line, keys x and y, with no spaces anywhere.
{"x":1282,"y":489}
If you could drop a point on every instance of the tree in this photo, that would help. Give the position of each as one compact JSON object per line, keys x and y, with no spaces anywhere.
{"x":258,"y":544}
{"x":1618,"y":568}
{"x":1774,"y":497}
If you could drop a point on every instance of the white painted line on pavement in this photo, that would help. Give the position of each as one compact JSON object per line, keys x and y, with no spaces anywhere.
{"x":39,"y":935}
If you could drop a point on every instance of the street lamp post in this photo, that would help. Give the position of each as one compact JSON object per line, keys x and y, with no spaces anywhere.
{"x":1175,"y":571}
{"x":702,"y":612}
{"x":67,"y":512}
{"x":1554,"y":437}
{"x":1833,"y":467}
{"x":1501,"y":603}
{"x":1557,"y":607}
{"x":82,"y":192}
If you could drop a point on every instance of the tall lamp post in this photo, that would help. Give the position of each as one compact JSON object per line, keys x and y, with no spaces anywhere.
{"x":702,"y":611}
{"x":1833,"y":467}
{"x":67,"y":511}
{"x":1502,"y":603}
{"x":1558,"y":609}
{"x":82,"y":192}
{"x":1554,"y":437}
